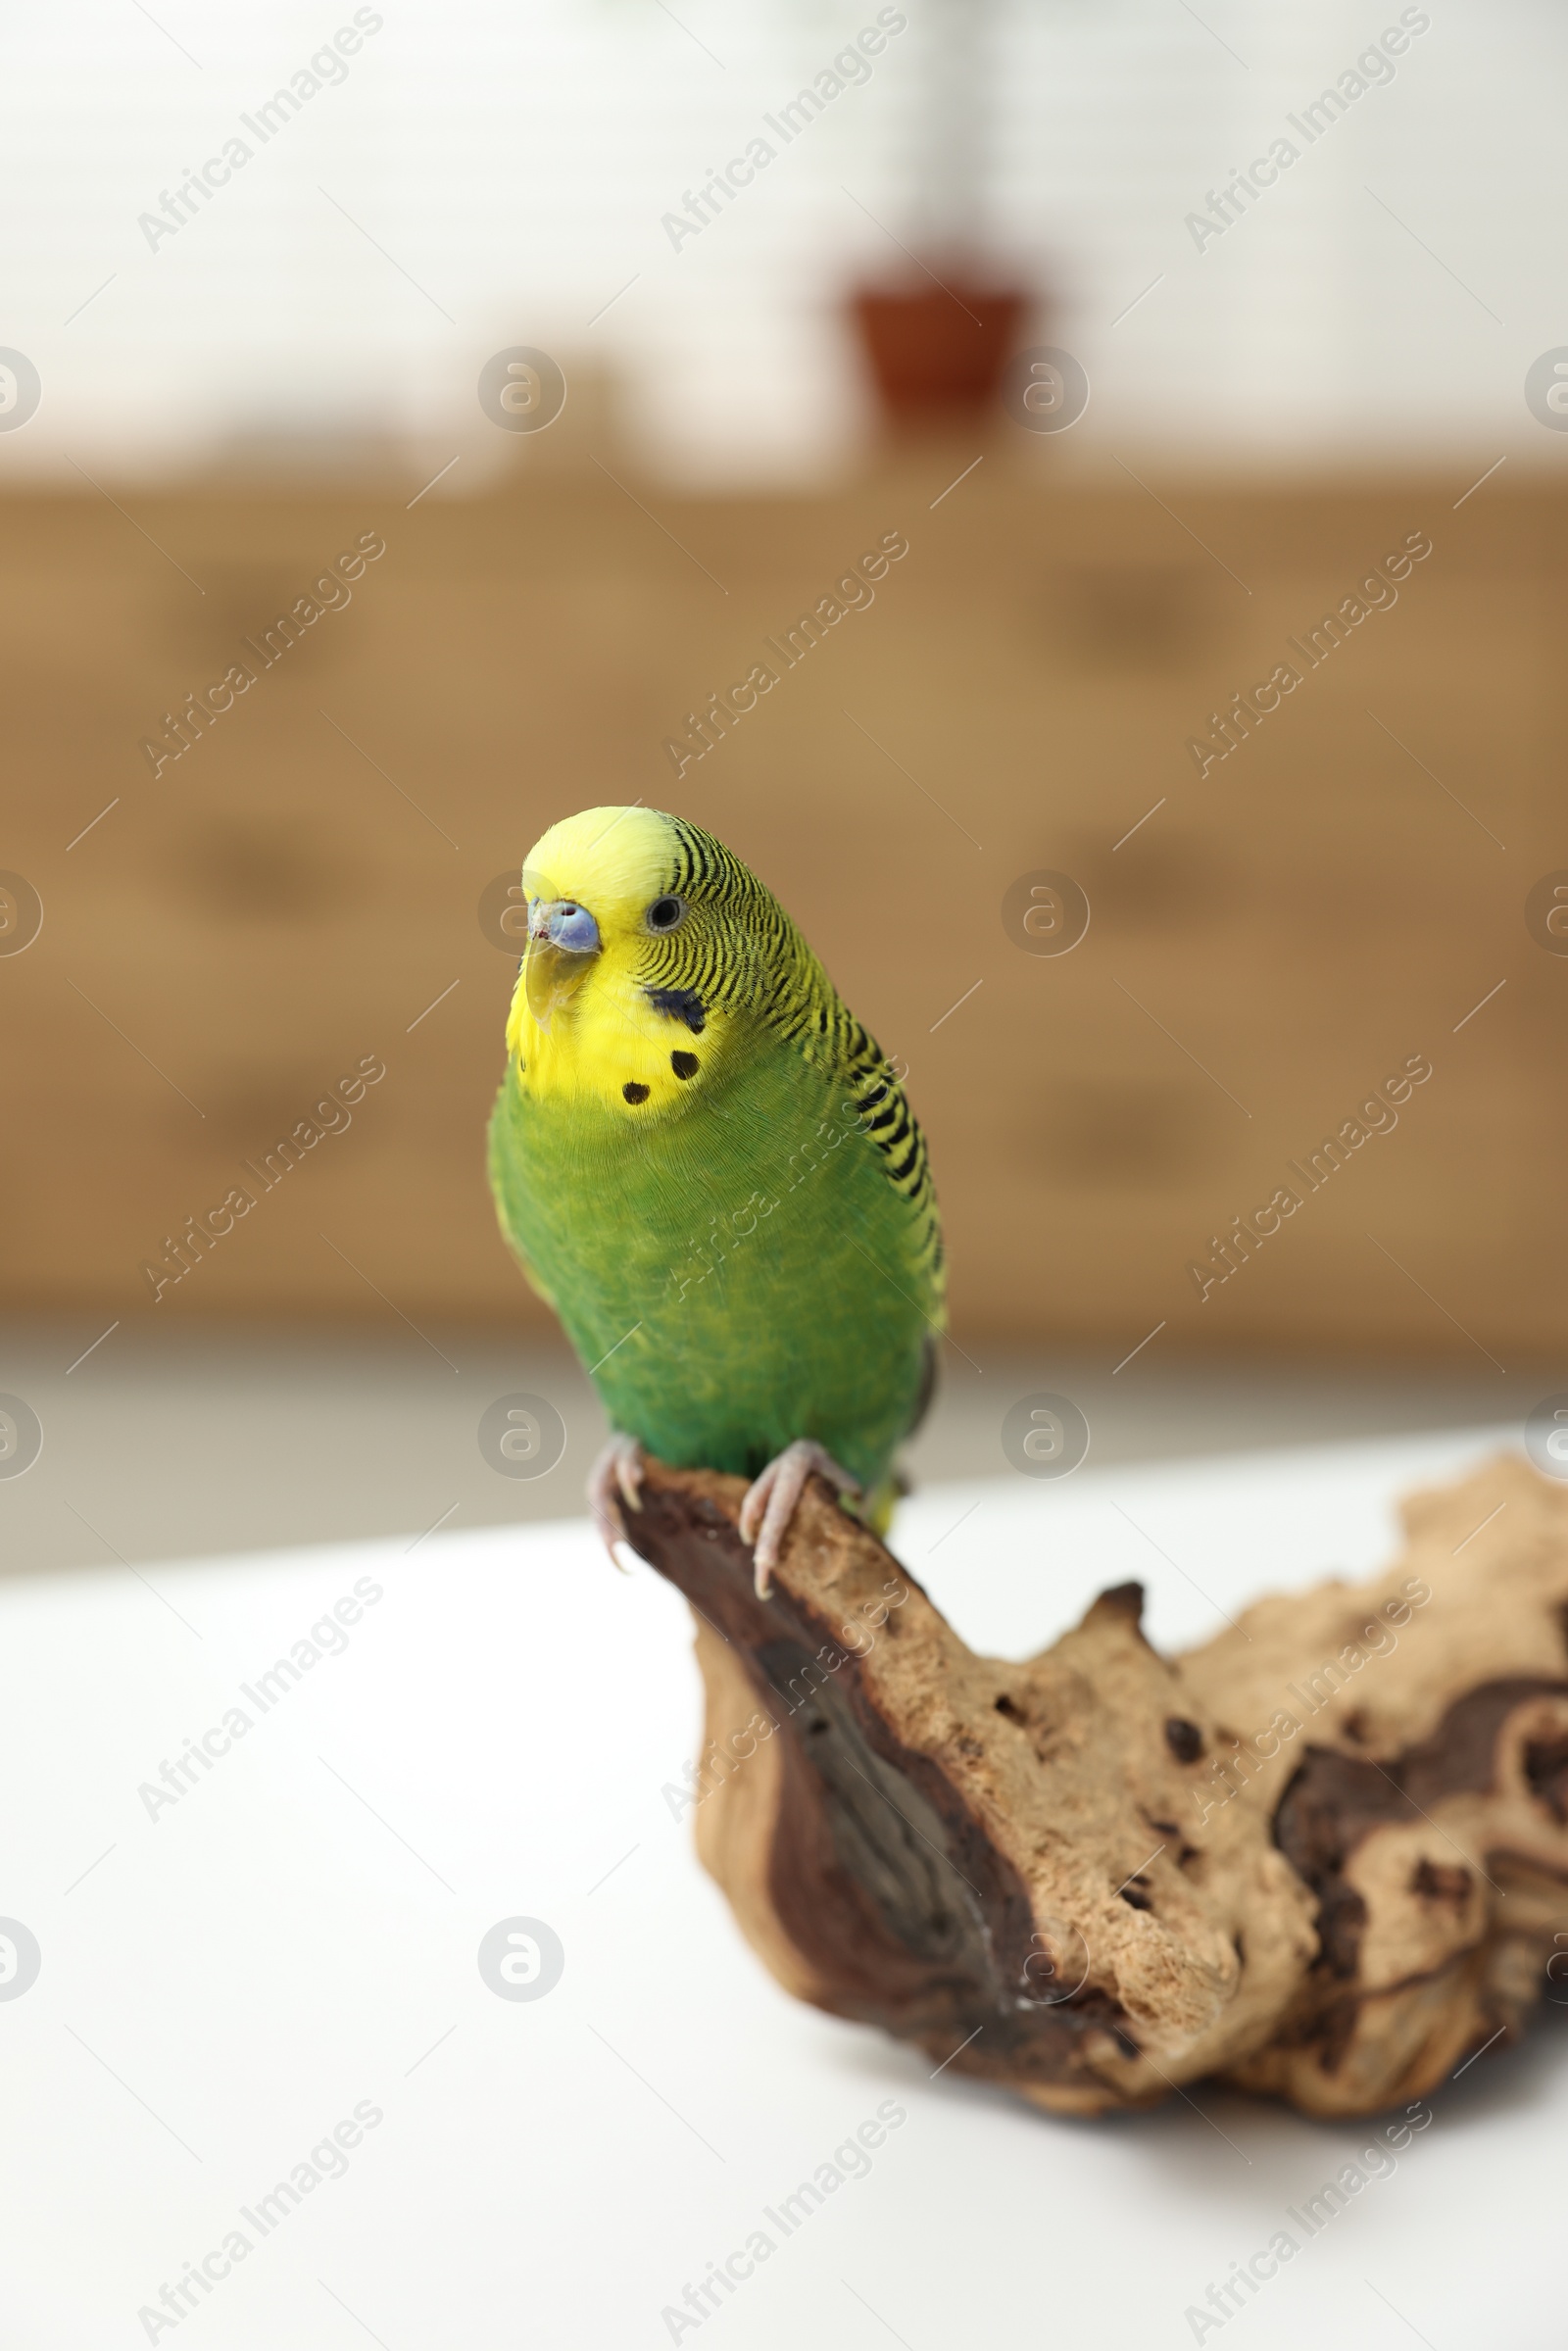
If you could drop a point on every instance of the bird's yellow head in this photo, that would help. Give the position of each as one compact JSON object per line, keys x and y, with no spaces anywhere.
{"x":646,"y":937}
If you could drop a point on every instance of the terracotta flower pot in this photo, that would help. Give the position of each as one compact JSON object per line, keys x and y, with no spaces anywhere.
{"x":937,"y":357}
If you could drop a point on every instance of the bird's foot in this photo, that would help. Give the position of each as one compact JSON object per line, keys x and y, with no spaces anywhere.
{"x":771,"y":1500}
{"x":614,"y":1486}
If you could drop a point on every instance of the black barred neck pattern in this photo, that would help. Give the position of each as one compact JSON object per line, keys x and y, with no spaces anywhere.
{"x":750,"y":956}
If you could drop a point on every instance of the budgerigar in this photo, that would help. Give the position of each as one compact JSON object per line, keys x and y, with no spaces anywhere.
{"x":710,"y":1170}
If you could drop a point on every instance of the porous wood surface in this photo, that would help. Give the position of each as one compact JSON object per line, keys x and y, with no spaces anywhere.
{"x":1325,"y":1855}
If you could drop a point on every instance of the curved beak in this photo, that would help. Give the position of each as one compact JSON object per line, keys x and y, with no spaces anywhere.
{"x":562,"y":941}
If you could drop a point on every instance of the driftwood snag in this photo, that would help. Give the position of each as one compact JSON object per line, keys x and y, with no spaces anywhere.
{"x":1324,"y":1856}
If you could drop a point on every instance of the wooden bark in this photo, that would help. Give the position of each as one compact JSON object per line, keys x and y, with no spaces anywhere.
{"x":1101,"y":1873}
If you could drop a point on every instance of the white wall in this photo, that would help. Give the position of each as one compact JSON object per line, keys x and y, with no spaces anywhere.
{"x":515,"y":162}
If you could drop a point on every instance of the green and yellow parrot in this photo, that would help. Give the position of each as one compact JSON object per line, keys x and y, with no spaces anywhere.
{"x":709,"y":1171}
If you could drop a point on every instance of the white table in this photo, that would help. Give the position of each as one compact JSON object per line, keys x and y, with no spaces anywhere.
{"x":295,"y":1936}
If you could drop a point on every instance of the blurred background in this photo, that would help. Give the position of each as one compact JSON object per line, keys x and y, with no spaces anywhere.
{"x":415,"y":422}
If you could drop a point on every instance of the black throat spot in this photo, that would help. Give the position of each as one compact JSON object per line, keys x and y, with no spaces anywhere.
{"x":679,"y":1003}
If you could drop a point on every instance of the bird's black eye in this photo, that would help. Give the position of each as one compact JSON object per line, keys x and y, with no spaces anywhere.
{"x":666,"y":913}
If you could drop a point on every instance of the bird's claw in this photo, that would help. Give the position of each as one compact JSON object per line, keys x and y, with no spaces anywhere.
{"x":614,"y":1484}
{"x":771,"y":1500}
